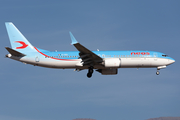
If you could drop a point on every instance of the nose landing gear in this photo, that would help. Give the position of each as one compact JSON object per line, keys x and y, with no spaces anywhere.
{"x":157,"y":73}
{"x":90,"y":72}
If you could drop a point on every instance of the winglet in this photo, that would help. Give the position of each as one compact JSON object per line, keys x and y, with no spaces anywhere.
{"x":74,"y":41}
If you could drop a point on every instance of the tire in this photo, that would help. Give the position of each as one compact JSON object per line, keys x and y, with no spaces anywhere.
{"x":157,"y":73}
{"x":89,"y":75}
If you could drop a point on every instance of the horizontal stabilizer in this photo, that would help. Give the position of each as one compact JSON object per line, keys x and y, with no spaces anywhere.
{"x":14,"y":52}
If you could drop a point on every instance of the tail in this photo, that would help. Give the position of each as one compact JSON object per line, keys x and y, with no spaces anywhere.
{"x":18,"y":42}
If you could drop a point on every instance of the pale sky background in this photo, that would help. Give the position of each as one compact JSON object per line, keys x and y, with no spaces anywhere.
{"x":35,"y":93}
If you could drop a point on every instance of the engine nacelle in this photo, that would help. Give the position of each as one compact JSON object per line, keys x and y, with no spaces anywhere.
{"x":110,"y":71}
{"x":112,"y":62}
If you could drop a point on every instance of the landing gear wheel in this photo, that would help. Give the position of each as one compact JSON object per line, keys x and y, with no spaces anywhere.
{"x":157,"y":73}
{"x":90,"y":72}
{"x":89,"y":75}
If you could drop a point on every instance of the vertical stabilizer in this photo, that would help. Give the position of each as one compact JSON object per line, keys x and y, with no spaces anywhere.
{"x":17,"y":40}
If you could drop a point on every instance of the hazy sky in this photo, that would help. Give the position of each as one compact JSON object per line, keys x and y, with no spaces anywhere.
{"x":35,"y":93}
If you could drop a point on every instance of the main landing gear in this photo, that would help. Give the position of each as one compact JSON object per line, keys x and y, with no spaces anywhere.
{"x":90,"y":72}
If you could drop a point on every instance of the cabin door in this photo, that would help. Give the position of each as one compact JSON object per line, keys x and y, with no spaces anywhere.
{"x":37,"y":59}
{"x":155,"y":56}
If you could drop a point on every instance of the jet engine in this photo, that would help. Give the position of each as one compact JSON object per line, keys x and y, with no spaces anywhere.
{"x":112,"y":63}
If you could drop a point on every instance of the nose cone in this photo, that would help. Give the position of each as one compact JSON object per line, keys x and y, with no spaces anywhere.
{"x":171,"y":61}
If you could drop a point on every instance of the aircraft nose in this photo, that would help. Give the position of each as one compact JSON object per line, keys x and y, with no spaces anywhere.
{"x":172,"y":61}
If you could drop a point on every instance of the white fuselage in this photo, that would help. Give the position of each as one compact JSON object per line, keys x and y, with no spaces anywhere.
{"x":134,"y":62}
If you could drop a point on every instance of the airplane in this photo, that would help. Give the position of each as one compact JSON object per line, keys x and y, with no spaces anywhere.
{"x":104,"y":62}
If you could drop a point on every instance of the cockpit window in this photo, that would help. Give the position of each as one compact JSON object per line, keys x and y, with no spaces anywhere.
{"x":164,"y":55}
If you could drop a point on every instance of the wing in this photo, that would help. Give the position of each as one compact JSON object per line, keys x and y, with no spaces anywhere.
{"x":87,"y":56}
